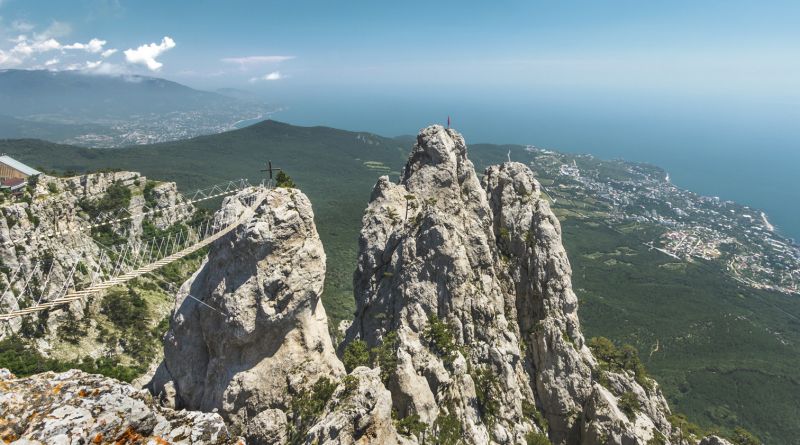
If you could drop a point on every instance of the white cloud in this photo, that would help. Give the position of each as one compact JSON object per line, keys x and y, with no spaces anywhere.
{"x":146,"y":54}
{"x":25,"y":47}
{"x":51,"y":62}
{"x":108,"y":52}
{"x":275,"y":75}
{"x":94,"y":46}
{"x":256,"y":60}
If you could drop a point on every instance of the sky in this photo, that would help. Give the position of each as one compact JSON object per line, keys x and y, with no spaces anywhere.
{"x":709,"y":90}
{"x":711,"y":47}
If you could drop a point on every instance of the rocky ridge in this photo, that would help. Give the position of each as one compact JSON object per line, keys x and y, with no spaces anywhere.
{"x":465,"y":331}
{"x":50,"y":227}
{"x":74,"y":407}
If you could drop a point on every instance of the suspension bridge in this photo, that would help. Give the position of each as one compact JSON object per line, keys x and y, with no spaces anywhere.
{"x":41,"y":286}
{"x":124,"y":214}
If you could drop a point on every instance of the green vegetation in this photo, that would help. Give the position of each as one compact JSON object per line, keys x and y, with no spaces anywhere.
{"x":23,"y":360}
{"x":409,"y":425}
{"x":530,"y":412}
{"x":534,"y":438}
{"x":117,"y":196}
{"x":149,"y":195}
{"x":657,"y":439}
{"x":629,"y":404}
{"x":486,"y":387}
{"x":743,"y":437}
{"x":439,"y":336}
{"x":128,"y":322}
{"x":727,"y":354}
{"x":125,"y":308}
{"x":305,"y":408}
{"x":447,"y":428}
{"x":617,"y":360}
{"x":356,"y":354}
{"x":284,"y":181}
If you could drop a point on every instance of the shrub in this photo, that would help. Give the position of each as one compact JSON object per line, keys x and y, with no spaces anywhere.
{"x":117,"y":196}
{"x":448,"y":428}
{"x":283,"y":180}
{"x":687,"y":428}
{"x":306,"y":407}
{"x":23,"y":360}
{"x":657,"y":439}
{"x":439,"y":336}
{"x":629,"y":404}
{"x":743,"y":437}
{"x":616,"y":360}
{"x":534,"y":438}
{"x":410,"y":425}
{"x":385,"y":356}
{"x":149,"y":196}
{"x":486,"y":383}
{"x":52,"y":187}
{"x":72,"y":330}
{"x":530,"y":412}
{"x":355,"y":354}
{"x":125,"y":308}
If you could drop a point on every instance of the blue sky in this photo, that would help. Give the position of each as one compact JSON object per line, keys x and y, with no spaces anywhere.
{"x":714,"y":47}
{"x":708,"y":89}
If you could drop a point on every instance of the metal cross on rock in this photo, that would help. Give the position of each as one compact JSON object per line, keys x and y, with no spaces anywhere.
{"x":270,"y":169}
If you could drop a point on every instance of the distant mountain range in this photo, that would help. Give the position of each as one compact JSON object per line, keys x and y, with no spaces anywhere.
{"x":112,"y":111}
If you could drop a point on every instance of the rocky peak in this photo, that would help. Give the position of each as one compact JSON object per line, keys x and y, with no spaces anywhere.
{"x":474,"y":283}
{"x":427,"y":274}
{"x":529,"y":241}
{"x":249,"y":331}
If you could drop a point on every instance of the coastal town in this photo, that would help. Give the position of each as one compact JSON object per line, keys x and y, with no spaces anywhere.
{"x":154,"y":128}
{"x":687,"y":226}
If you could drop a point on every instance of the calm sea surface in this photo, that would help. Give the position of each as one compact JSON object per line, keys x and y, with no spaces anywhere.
{"x":746,"y":151}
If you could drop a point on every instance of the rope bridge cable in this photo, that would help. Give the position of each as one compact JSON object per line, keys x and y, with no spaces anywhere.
{"x":70,"y":296}
{"x":200,"y":195}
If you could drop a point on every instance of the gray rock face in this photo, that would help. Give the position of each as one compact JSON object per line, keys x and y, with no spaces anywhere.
{"x":54,"y":229}
{"x":487,"y":260}
{"x":529,"y":238}
{"x":428,"y":249}
{"x":249,"y":331}
{"x":75,"y":407}
{"x":360,"y":412}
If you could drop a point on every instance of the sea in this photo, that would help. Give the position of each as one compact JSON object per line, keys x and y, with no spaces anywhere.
{"x":744,"y":149}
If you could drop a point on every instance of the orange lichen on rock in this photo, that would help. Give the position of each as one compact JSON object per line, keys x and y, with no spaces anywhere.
{"x":130,"y":436}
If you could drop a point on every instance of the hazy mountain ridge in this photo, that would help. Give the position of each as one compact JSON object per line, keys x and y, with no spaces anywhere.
{"x":118,"y":110}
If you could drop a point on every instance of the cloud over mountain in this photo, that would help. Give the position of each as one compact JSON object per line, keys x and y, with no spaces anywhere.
{"x":147,"y":54}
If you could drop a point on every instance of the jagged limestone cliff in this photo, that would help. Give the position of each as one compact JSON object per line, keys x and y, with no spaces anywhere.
{"x":466,"y":328}
{"x":466,"y":322}
{"x":249,"y":331}
{"x":440,"y":252}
